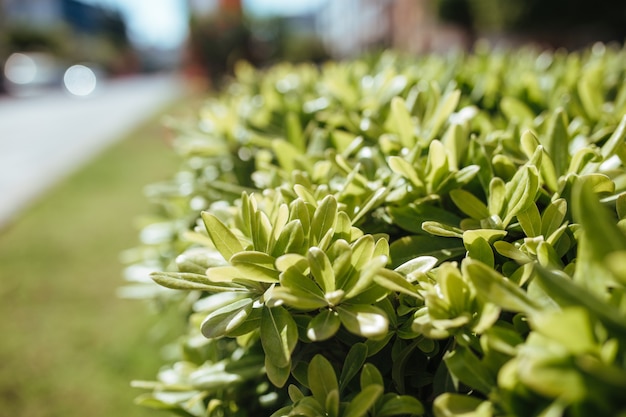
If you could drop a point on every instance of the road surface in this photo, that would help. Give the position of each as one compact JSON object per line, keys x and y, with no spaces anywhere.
{"x":44,"y":138}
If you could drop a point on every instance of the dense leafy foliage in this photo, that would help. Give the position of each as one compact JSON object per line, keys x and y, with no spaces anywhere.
{"x":441,"y":235}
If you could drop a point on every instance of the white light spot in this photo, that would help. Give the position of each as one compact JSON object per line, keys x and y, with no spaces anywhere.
{"x":20,"y":69}
{"x":80,"y":80}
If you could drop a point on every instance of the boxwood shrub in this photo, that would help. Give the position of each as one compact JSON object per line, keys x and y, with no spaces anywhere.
{"x":441,"y":235}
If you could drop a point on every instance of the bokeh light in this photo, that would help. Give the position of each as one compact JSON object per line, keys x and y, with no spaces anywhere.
{"x":80,"y":80}
{"x":20,"y":69}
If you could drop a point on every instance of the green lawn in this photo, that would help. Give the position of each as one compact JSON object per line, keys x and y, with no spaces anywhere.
{"x":68,"y":346}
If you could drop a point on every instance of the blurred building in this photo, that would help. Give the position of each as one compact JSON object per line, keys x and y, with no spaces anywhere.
{"x":350,"y":27}
{"x":42,"y":13}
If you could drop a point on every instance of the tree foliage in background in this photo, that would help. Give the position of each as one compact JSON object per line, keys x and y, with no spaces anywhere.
{"x":440,"y":236}
{"x":568,"y":23}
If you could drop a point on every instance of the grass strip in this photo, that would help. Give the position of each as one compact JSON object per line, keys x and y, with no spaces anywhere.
{"x":69,"y":346}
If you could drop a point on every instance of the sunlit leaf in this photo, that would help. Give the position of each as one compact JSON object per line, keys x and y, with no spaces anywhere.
{"x":497,"y":289}
{"x":530,"y":220}
{"x":364,"y":320}
{"x":453,"y":405}
{"x":226,"y":319}
{"x":223,"y":239}
{"x":401,"y":123}
{"x":321,"y":269}
{"x":469,"y":204}
{"x":323,"y":218}
{"x":363,"y":401}
{"x":323,"y":326}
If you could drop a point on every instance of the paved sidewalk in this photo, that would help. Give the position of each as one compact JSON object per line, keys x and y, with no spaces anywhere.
{"x":43,"y":139}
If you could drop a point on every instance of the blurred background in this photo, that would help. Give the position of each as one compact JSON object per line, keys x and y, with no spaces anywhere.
{"x":205,"y":37}
{"x":83,"y":89}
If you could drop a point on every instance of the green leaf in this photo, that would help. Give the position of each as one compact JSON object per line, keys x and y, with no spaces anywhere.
{"x":308,"y":407}
{"x":515,"y":109}
{"x":620,"y":206}
{"x":617,"y":138}
{"x":495,"y":288}
{"x":187,"y":281}
{"x":464,"y":365}
{"x":363,"y":401}
{"x":400,"y":122}
{"x":411,"y":216}
{"x":218,"y":300}
{"x":419,"y":265}
{"x":295,"y":394}
{"x":290,"y":240}
{"x":530,"y":220}
{"x":444,"y":109}
{"x":571,"y":326}
{"x":295,"y":298}
{"x":255,"y":266}
{"x":557,"y":141}
{"x":365,"y":277}
{"x":456,"y":405}
{"x":436,"y":165}
{"x":364,"y":320}
{"x":409,"y":247}
{"x":323,"y":326}
{"x":223,"y":274}
{"x":469,"y":204}
{"x":323,"y":218}
{"x":393,"y":281}
{"x":301,"y":285}
{"x":226,"y":319}
{"x":293,"y":131}
{"x":278,"y":375}
{"x":321,"y":269}
{"x":362,"y":251}
{"x":510,"y":251}
{"x":292,"y":260}
{"x":224,"y":240}
{"x":354,"y":362}
{"x":490,"y":235}
{"x":332,"y":404}
{"x":455,"y":141}
{"x":402,"y":167}
{"x":370,"y":375}
{"x":480,"y":250}
{"x":394,"y":405}
{"x":443,"y":230}
{"x":298,"y":210}
{"x":321,"y":378}
{"x":589,"y":93}
{"x":567,"y":293}
{"x":521,"y":191}
{"x":287,"y":155}
{"x":261,"y":231}
{"x":279,"y":335}
{"x":497,"y":196}
{"x":603,"y":235}
{"x":553,"y":216}
{"x":372,"y":201}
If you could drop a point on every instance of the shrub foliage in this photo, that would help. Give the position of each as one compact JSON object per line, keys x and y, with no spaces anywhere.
{"x":440,"y":235}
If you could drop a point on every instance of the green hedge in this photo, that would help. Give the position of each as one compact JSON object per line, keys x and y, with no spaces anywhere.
{"x":436,"y":235}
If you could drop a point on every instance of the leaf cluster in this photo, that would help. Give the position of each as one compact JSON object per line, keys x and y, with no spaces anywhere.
{"x":441,"y":235}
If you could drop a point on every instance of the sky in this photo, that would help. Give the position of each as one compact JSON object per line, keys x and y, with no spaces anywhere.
{"x":163,"y":23}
